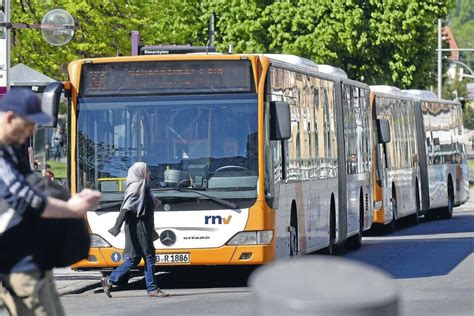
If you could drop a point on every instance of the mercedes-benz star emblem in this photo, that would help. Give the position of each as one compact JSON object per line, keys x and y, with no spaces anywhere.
{"x":168,"y":238}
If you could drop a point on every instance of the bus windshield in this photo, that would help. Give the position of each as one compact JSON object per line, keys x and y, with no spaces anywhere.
{"x":203,"y":143}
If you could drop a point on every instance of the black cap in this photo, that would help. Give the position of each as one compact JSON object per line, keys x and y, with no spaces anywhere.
{"x":24,"y":103}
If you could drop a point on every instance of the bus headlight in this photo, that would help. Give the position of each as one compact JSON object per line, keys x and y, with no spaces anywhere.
{"x":264,"y":237}
{"x":261,"y":237}
{"x":99,"y":242}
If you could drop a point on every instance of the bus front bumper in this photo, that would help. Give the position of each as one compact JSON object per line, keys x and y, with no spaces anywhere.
{"x":103,"y":258}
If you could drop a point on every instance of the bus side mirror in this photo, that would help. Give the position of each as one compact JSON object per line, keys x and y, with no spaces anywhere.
{"x":383,"y":131}
{"x":280,"y":121}
{"x":50,"y":101}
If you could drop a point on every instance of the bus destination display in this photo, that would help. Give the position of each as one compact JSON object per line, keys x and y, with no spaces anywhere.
{"x":166,"y":77}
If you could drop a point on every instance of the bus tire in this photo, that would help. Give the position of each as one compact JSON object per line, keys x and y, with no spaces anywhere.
{"x":415,"y":218}
{"x":392,"y":226}
{"x":332,"y":229}
{"x":431,"y":215}
{"x":293,"y":233}
{"x":355,"y":242}
{"x":447,"y":212}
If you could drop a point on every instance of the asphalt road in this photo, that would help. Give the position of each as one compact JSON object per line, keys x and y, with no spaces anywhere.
{"x":432,"y":265}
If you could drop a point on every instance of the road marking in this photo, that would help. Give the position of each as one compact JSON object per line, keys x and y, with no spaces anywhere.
{"x":463,"y":235}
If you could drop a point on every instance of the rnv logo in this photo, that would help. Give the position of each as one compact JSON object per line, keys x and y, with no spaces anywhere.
{"x":217,"y":220}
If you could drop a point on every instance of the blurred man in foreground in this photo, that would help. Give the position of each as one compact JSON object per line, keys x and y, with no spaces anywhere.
{"x":26,"y":288}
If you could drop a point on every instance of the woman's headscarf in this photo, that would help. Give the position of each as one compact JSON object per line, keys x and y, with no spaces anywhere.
{"x":135,"y":193}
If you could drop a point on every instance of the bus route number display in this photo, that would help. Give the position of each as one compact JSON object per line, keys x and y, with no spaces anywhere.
{"x":166,"y":77}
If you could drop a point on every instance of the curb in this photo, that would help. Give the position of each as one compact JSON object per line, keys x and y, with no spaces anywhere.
{"x":79,"y":287}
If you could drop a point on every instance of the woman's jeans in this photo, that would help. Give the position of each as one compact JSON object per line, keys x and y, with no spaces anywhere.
{"x":130,"y":263}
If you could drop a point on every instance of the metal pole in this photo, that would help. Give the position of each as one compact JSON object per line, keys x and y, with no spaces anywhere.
{"x":211,"y":30}
{"x":440,"y":56}
{"x":5,"y":51}
{"x":135,"y":42}
{"x":463,"y":64}
{"x":7,"y":35}
{"x":456,"y":49}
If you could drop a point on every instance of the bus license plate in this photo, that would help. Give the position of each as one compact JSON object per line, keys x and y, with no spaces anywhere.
{"x":164,"y":258}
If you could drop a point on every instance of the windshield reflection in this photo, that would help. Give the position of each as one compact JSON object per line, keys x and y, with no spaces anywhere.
{"x":200,"y":142}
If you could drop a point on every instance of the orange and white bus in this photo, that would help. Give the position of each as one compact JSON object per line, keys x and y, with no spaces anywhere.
{"x":299,"y":181}
{"x":396,"y":163}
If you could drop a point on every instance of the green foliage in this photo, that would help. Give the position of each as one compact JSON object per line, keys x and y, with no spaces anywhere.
{"x":103,"y":30}
{"x":379,"y":41}
{"x":454,"y":89}
{"x":382,"y":42}
{"x":59,"y":168}
{"x":468,"y":116}
{"x":470,"y":164}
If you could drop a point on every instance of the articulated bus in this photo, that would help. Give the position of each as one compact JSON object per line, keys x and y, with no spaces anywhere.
{"x":301,"y":179}
{"x":396,"y":163}
{"x":423,"y":169}
{"x":444,"y":172}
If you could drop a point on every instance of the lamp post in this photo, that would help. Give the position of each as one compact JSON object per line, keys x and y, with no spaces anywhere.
{"x":57,"y":29}
{"x":5,"y":49}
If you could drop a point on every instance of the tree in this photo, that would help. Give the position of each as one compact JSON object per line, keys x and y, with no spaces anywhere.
{"x":454,"y":89}
{"x":381,"y":42}
{"x":103,"y":30}
{"x":462,"y":24}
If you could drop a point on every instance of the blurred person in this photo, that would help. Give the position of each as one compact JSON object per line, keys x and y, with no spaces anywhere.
{"x":27,"y":288}
{"x":231,"y":159}
{"x":230,"y":147}
{"x":36,"y":165}
{"x":58,"y":143}
{"x":137,"y":211}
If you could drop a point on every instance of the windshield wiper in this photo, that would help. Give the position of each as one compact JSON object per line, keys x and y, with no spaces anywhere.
{"x":106,"y":205}
{"x":210,"y":197}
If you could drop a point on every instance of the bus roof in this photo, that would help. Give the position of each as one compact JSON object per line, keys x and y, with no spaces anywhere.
{"x":304,"y":62}
{"x":386,"y":89}
{"x":429,"y":96}
{"x":422,"y":94}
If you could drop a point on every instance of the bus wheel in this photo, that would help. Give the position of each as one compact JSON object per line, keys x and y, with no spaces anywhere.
{"x":447,"y":212}
{"x":431,"y":215}
{"x":332,"y":230}
{"x":392,"y":226}
{"x":293,"y":242}
{"x":355,"y":242}
{"x":293,"y":234}
{"x":415,"y":218}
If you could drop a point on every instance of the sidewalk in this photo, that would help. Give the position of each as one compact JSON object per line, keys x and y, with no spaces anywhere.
{"x":72,"y":282}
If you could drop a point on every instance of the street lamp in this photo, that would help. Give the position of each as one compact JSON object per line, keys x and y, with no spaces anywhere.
{"x":466,"y":67}
{"x":57,"y":29}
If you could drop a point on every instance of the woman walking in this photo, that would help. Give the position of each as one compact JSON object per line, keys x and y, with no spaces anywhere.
{"x":137,"y":211}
